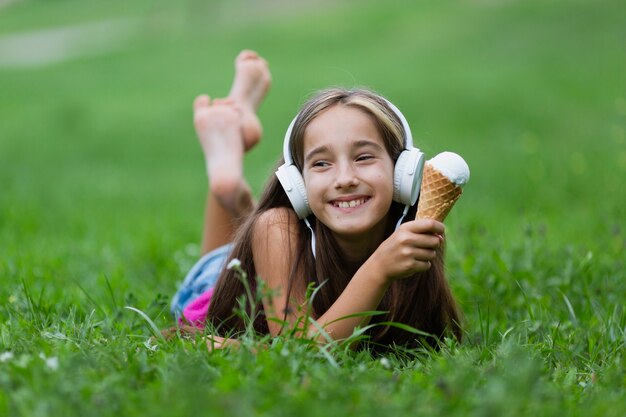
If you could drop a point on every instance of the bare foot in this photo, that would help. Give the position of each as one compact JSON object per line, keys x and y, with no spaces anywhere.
{"x":218,"y":126}
{"x":251,"y":83}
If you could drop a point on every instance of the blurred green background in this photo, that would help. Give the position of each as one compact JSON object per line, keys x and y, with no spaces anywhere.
{"x":101,"y":176}
{"x":102,"y":189}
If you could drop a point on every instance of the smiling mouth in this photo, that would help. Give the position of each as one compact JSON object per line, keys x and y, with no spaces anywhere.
{"x":352,"y":203}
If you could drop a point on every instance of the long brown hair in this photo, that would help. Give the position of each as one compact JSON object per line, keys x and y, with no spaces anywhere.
{"x":423,"y":301}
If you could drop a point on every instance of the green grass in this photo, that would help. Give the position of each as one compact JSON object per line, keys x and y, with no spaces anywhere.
{"x":102,"y":190}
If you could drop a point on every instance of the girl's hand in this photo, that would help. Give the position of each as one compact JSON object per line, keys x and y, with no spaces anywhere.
{"x":216,"y":342}
{"x":409,"y":249}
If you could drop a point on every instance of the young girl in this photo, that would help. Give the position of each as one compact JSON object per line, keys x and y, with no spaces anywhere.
{"x":330,"y":217}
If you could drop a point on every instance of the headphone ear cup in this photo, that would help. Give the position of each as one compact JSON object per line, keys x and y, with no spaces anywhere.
{"x":292,"y":182}
{"x":407,"y":176}
{"x":397,"y":176}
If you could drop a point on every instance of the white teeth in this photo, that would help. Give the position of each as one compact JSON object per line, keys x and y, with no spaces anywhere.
{"x":347,"y":204}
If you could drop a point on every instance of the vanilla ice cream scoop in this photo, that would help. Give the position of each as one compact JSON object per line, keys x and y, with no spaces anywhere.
{"x":444,"y":175}
{"x":452,"y":166}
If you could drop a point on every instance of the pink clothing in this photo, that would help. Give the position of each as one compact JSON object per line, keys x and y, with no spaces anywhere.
{"x":195,"y":313}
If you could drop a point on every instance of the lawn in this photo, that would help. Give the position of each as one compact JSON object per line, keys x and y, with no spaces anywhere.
{"x":102,"y":190}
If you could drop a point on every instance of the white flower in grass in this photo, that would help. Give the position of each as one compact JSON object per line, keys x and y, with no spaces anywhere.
{"x":234,"y":264}
{"x":150,"y":346}
{"x":6,"y":356}
{"x":385,"y":363}
{"x":52,"y":363}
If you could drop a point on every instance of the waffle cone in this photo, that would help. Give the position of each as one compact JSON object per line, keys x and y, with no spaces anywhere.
{"x":437,"y":196}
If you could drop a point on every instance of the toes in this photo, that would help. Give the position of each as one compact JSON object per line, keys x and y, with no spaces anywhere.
{"x":246,"y":54}
{"x":202,"y":101}
{"x":222,"y":101}
{"x":226,"y":102}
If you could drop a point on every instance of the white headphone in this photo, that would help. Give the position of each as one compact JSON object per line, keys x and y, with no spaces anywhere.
{"x":407,"y":175}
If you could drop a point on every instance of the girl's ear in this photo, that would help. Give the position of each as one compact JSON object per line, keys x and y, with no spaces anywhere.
{"x":291,"y":179}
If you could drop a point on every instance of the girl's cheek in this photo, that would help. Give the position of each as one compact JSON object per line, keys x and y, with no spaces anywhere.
{"x":311,"y":184}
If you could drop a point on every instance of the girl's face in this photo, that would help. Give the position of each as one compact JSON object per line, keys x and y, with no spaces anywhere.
{"x":348,"y":173}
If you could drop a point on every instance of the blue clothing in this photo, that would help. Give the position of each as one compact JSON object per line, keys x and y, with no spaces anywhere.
{"x":200,"y":278}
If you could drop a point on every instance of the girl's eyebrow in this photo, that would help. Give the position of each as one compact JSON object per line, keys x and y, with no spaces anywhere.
{"x":357,"y":144}
{"x":364,"y":142}
{"x":315,"y":151}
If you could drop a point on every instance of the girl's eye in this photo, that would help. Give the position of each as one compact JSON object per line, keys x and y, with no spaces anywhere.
{"x":364,"y":157}
{"x":320,"y":164}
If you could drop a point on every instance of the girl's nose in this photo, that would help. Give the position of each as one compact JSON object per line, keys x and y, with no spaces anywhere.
{"x":346,"y":177}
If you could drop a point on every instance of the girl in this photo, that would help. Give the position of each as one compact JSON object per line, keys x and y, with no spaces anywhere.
{"x":331,"y":217}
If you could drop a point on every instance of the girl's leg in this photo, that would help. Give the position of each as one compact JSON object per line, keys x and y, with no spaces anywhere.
{"x":226,"y":130}
{"x":218,"y":126}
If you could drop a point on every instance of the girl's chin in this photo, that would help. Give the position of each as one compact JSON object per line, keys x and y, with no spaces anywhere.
{"x":355,"y":229}
{"x":362,"y":221}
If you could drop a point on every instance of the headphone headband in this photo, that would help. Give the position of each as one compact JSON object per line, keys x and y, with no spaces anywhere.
{"x":408,"y":137}
{"x":287,"y":142}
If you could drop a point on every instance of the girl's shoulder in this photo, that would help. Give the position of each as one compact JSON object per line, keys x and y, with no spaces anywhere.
{"x":275,"y":240}
{"x":275,"y":226}
{"x":277,"y":217}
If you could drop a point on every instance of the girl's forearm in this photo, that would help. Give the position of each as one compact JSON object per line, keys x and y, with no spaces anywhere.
{"x":363,"y":293}
{"x":408,"y":250}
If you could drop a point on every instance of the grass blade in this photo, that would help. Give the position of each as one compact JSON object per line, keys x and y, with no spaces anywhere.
{"x":153,"y":327}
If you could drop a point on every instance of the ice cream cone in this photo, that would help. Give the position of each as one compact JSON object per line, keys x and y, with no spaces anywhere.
{"x":437,"y":196}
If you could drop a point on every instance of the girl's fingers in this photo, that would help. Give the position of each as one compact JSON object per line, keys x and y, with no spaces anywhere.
{"x":430,"y":242}
{"x":425,"y":255}
{"x":427,"y":226}
{"x":418,"y":239}
{"x":421,"y":266}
